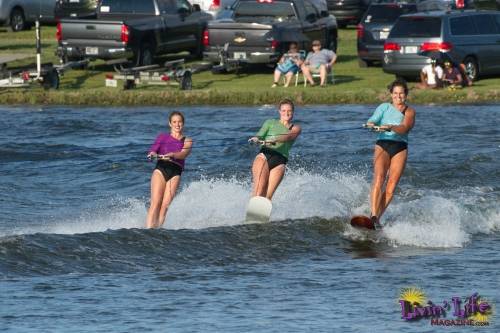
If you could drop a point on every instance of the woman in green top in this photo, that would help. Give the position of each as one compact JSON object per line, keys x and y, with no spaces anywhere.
{"x":278,"y":137}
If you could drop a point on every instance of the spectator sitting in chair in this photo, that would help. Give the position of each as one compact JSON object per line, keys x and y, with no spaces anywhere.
{"x":430,"y":76}
{"x":451,"y":75}
{"x":288,"y":65}
{"x":318,"y":61}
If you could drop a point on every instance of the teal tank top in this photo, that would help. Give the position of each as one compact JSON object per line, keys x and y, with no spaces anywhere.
{"x":274,"y":129}
{"x":387,"y":114}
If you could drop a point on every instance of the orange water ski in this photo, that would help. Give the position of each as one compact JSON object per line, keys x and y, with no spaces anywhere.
{"x":362,"y":221}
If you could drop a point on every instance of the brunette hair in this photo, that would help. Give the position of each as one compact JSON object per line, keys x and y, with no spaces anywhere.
{"x":286,"y":101}
{"x":398,"y":83}
{"x":175,"y":113}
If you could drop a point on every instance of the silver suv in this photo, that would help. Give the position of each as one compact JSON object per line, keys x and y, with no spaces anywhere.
{"x":21,"y":14}
{"x":470,"y":37}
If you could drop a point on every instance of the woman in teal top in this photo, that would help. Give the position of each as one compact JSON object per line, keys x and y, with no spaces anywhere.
{"x":395,"y":119}
{"x":278,"y":137}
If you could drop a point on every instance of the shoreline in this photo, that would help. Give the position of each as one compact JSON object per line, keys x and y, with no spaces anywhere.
{"x":315,"y":96}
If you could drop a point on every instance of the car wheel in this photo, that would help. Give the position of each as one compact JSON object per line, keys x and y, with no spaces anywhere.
{"x":406,"y":78}
{"x":332,"y":45}
{"x":471,"y":68}
{"x":197,"y":52}
{"x":364,"y":63}
{"x":146,"y":55}
{"x":17,"y":20}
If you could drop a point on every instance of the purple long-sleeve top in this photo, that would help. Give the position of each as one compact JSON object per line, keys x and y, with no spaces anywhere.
{"x":166,"y":143}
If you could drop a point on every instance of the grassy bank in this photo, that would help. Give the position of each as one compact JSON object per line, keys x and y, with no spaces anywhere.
{"x":353,"y":84}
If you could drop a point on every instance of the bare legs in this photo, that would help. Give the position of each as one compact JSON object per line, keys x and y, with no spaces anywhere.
{"x":306,"y":70}
{"x":162,"y":194}
{"x":385,"y":167}
{"x":288,"y":77}
{"x":265,"y":181}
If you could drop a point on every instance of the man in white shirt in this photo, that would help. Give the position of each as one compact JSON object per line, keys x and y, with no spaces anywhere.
{"x":431,"y":76}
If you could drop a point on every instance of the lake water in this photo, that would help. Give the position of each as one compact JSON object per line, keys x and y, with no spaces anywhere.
{"x":74,"y":256}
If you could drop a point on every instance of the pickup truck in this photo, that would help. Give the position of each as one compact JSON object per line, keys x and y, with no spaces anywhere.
{"x":259,"y":31}
{"x":135,"y":30}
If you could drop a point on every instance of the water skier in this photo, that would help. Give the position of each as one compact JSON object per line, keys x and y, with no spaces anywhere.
{"x":277,"y":138}
{"x":170,"y":150}
{"x":396,"y":120}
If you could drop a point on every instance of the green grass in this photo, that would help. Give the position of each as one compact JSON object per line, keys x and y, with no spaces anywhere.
{"x":353,"y":84}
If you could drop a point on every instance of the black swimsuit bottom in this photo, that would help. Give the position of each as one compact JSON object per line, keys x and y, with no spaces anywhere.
{"x":392,"y":147}
{"x":168,"y":169}
{"x":273,"y":157}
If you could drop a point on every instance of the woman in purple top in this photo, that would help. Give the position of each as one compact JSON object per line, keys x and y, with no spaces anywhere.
{"x":170,"y":150}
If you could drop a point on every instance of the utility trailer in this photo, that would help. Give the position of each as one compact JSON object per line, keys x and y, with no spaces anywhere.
{"x":172,"y":73}
{"x":46,"y":74}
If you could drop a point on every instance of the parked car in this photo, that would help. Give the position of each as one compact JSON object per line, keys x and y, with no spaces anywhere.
{"x":470,"y":37}
{"x":136,"y":30}
{"x":214,"y":7}
{"x":347,"y":11}
{"x":374,"y":29}
{"x":21,"y":14}
{"x":76,"y":8}
{"x":487,"y":4}
{"x":259,"y":31}
{"x":430,"y":5}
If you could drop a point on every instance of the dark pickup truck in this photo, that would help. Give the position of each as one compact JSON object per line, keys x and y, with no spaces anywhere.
{"x":132,"y":29}
{"x":259,"y":31}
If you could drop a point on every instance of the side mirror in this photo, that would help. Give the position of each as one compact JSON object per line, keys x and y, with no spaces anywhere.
{"x":196,"y":8}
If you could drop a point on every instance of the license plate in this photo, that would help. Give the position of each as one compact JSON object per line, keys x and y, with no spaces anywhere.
{"x":411,"y":49}
{"x":91,"y":50}
{"x":384,"y":34}
{"x":111,"y":83}
{"x":240,"y":55}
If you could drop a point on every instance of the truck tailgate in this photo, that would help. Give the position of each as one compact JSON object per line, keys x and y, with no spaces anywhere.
{"x":239,"y":34}
{"x":91,"y":32}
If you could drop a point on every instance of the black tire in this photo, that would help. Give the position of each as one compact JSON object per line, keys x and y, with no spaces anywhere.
{"x":332,"y":43}
{"x":364,"y":63}
{"x":197,"y":52}
{"x":471,"y":68}
{"x":146,"y":55}
{"x":186,"y":81}
{"x":17,"y":20}
{"x":128,"y":84}
{"x":406,"y":78}
{"x":51,"y":80}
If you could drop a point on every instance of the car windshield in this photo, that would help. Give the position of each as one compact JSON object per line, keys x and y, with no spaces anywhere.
{"x":387,"y":13}
{"x":417,"y":26}
{"x":264,"y":12}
